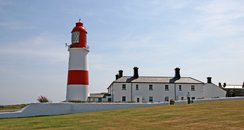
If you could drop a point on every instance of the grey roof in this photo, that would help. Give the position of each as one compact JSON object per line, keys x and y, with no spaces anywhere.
{"x":152,"y":79}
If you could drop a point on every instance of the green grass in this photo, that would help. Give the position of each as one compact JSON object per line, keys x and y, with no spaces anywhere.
{"x":222,"y":115}
{"x":12,"y":107}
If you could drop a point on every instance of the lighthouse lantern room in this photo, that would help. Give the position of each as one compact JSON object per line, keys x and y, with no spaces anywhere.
{"x":77,"y":84}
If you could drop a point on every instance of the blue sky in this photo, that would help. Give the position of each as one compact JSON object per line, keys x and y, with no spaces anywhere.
{"x":204,"y":38}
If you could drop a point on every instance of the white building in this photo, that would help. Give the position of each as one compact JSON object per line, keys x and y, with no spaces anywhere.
{"x":160,"y":89}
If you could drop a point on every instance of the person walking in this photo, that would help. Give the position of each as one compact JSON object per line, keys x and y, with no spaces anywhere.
{"x":188,"y":98}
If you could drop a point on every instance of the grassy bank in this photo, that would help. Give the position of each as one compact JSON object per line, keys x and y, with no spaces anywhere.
{"x":12,"y":107}
{"x":209,"y":115}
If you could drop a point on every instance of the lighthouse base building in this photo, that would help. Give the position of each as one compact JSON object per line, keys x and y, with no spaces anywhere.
{"x":143,"y":89}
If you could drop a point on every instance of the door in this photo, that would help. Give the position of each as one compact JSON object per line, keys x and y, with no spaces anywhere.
{"x":137,"y":99}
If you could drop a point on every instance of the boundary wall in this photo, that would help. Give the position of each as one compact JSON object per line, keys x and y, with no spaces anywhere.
{"x":48,"y":109}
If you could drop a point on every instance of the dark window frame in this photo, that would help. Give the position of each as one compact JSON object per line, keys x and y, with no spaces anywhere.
{"x":193,"y":88}
{"x":150,"y":99}
{"x":137,"y":99}
{"x":180,"y":88}
{"x":166,"y":87}
{"x":123,"y":86}
{"x":137,"y":87}
{"x":166,"y":98}
{"x":151,"y":87}
{"x":123,"y":98}
{"x":182,"y":98}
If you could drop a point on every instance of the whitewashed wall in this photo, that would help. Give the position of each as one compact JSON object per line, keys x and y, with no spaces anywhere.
{"x":118,"y":92}
{"x":158,"y":93}
{"x":198,"y":93}
{"x":213,"y":91}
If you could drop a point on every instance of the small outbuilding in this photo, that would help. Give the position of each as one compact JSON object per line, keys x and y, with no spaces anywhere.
{"x":99,"y":97}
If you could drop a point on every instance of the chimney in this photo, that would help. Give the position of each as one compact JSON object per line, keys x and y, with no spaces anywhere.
{"x":177,"y":73}
{"x":136,"y":75}
{"x":209,"y":79}
{"x":224,"y":85}
{"x":120,"y":73}
{"x":117,"y":76}
{"x":220,"y":85}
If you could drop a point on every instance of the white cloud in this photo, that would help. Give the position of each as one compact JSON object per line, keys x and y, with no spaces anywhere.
{"x":33,"y":67}
{"x":41,"y":46}
{"x":15,"y":25}
{"x":221,"y":18}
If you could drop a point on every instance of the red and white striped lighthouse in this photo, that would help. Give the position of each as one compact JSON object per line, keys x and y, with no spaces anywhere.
{"x":77,"y":85}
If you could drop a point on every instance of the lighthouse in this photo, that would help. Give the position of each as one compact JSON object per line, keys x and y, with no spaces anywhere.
{"x":77,"y":84}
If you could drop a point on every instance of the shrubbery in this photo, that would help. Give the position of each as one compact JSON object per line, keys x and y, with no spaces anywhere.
{"x":42,"y":99}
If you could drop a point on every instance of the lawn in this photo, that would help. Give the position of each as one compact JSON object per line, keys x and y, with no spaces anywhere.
{"x":220,"y":115}
{"x":12,"y":107}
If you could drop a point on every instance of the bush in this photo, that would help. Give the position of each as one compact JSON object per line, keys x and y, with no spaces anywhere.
{"x":42,"y":99}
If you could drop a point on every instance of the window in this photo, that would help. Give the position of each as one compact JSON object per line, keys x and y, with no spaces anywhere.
{"x":151,"y":87}
{"x":180,"y":89}
{"x":166,"y":99}
{"x":166,"y":87}
{"x":143,"y":98}
{"x":182,"y":98}
{"x":109,"y":99}
{"x":150,"y":99}
{"x":99,"y":99}
{"x":192,"y":88}
{"x":137,"y":87}
{"x":75,"y":37}
{"x":123,"y":86}
{"x":123,"y":98}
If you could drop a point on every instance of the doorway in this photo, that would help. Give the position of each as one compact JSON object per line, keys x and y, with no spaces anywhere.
{"x":137,"y":99}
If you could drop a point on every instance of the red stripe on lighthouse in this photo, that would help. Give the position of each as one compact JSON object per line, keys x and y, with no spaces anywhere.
{"x":78,"y":77}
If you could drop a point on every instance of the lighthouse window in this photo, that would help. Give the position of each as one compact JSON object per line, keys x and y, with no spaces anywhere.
{"x":75,"y":37}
